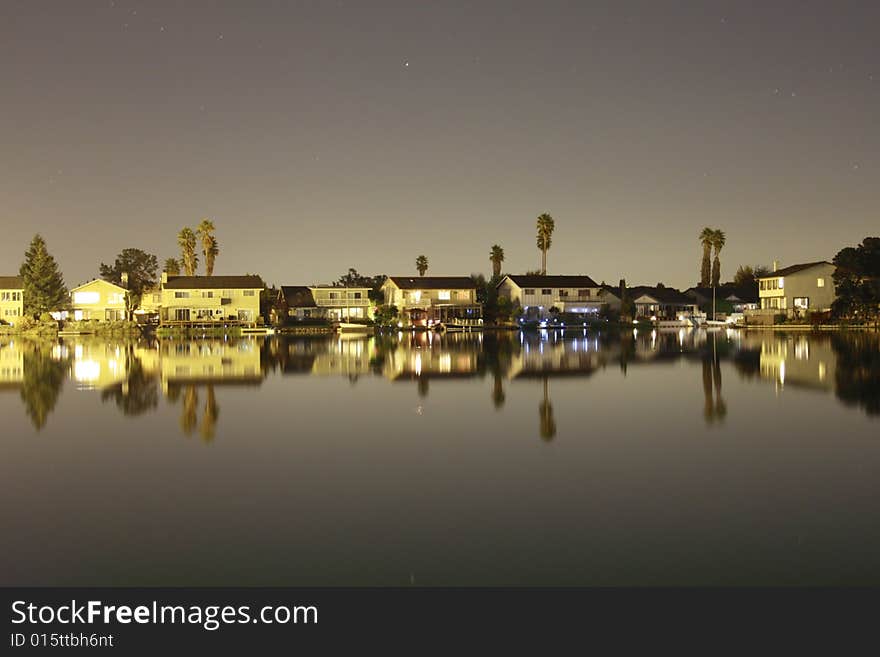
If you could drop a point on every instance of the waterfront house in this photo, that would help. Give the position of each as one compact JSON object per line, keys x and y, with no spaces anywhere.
{"x":332,"y":303}
{"x":11,"y":299}
{"x":98,"y":300}
{"x":661,"y":303}
{"x":795,"y":290}
{"x":738,"y":297}
{"x":226,"y":299}
{"x":536,"y":295}
{"x":428,"y":300}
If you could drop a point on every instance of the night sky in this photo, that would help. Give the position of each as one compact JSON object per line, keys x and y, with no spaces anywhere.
{"x":326,"y":135}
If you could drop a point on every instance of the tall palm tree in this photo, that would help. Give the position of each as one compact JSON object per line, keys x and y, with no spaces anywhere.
{"x":707,"y":237}
{"x":186,"y":238}
{"x":205,"y":231}
{"x":172,"y":267}
{"x":422,"y":265}
{"x":718,"y":241}
{"x":211,"y":253}
{"x":545,"y":226}
{"x":496,"y":255}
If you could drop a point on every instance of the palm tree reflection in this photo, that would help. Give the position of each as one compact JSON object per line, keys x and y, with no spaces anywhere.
{"x":545,"y":411}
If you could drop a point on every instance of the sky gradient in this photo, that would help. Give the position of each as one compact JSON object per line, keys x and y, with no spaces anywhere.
{"x":325,"y":135}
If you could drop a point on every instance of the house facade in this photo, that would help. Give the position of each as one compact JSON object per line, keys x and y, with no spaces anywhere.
{"x":661,"y":303}
{"x":536,"y":295}
{"x":798,"y":289}
{"x":335,"y":304}
{"x":221,"y":299}
{"x":11,"y":299}
{"x":739,"y":297}
{"x":428,"y":300}
{"x":98,"y":300}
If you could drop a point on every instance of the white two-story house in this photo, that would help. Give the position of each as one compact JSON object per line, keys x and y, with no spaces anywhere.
{"x":325,"y":302}
{"x":536,"y":295}
{"x":797,"y":289}
{"x":429,"y":300}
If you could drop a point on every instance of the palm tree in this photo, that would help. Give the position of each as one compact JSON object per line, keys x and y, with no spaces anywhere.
{"x":545,"y":226}
{"x":205,"y":232}
{"x":707,"y":235}
{"x":186,"y":238}
{"x":211,"y":254}
{"x":421,"y":265}
{"x":496,"y":255}
{"x":172,"y":267}
{"x":718,"y":240}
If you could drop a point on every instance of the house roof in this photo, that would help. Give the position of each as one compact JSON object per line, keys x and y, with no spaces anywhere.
{"x":433,"y":282}
{"x":793,"y":269}
{"x":551,"y":281}
{"x":11,"y":283}
{"x":744,"y":293}
{"x":213,"y":282}
{"x":298,"y":296}
{"x":661,"y":294}
{"x":98,"y":280}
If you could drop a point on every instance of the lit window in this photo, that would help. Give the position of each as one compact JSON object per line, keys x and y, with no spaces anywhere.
{"x":86,"y":297}
{"x":820,"y":282}
{"x":801,"y":302}
{"x":443,"y":295}
{"x":781,"y":283}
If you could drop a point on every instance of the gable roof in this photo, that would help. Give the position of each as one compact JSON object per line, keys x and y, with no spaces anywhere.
{"x":550,"y":281}
{"x":298,"y":296}
{"x":744,"y":293}
{"x":793,"y":269}
{"x":661,"y":294}
{"x":213,"y":283}
{"x":98,"y":280}
{"x":433,"y":282}
{"x":11,"y":283}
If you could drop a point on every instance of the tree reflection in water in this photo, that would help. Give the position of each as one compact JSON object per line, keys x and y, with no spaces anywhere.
{"x":545,"y":410}
{"x":857,"y":378}
{"x":42,"y":380}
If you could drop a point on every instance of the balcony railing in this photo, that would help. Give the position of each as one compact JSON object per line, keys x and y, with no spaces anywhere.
{"x":341,"y":302}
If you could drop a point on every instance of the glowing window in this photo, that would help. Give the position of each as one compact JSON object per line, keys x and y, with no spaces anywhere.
{"x":443,"y":295}
{"x":820,"y":282}
{"x":86,"y":297}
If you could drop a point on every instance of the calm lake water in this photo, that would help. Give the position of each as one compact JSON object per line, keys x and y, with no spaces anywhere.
{"x":686,"y":457}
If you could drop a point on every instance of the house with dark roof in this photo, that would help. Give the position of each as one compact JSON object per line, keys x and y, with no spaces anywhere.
{"x":796,"y":290}
{"x":210,"y":299}
{"x":656,"y":302}
{"x":11,"y":299}
{"x":739,"y":297}
{"x":329,"y":302}
{"x":537,"y":294}
{"x":429,"y":300}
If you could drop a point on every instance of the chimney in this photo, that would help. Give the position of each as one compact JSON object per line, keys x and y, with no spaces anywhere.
{"x":164,"y":277}
{"x":124,"y":279}
{"x":775,"y":265}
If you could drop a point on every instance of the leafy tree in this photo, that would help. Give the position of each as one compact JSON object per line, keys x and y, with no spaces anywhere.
{"x":354,"y":279}
{"x":496,"y":256}
{"x":44,"y":288}
{"x":627,"y":305}
{"x":186,"y":239}
{"x":718,"y":241}
{"x":533,"y":272}
{"x":386,"y":315}
{"x":545,"y":226}
{"x":172,"y":267}
{"x":745,"y":275}
{"x":141,"y":268}
{"x":422,"y":265}
{"x":857,"y":280}
{"x":210,"y":246}
{"x":707,"y":235}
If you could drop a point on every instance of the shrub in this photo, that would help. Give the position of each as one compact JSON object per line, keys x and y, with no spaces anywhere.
{"x":46,"y":317}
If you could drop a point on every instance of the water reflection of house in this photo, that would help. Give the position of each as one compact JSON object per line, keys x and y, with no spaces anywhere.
{"x":11,"y":366}
{"x":96,"y":365}
{"x":341,"y":355}
{"x":797,"y":360}
{"x":203,"y":361}
{"x":547,"y":355}
{"x":426,"y":355}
